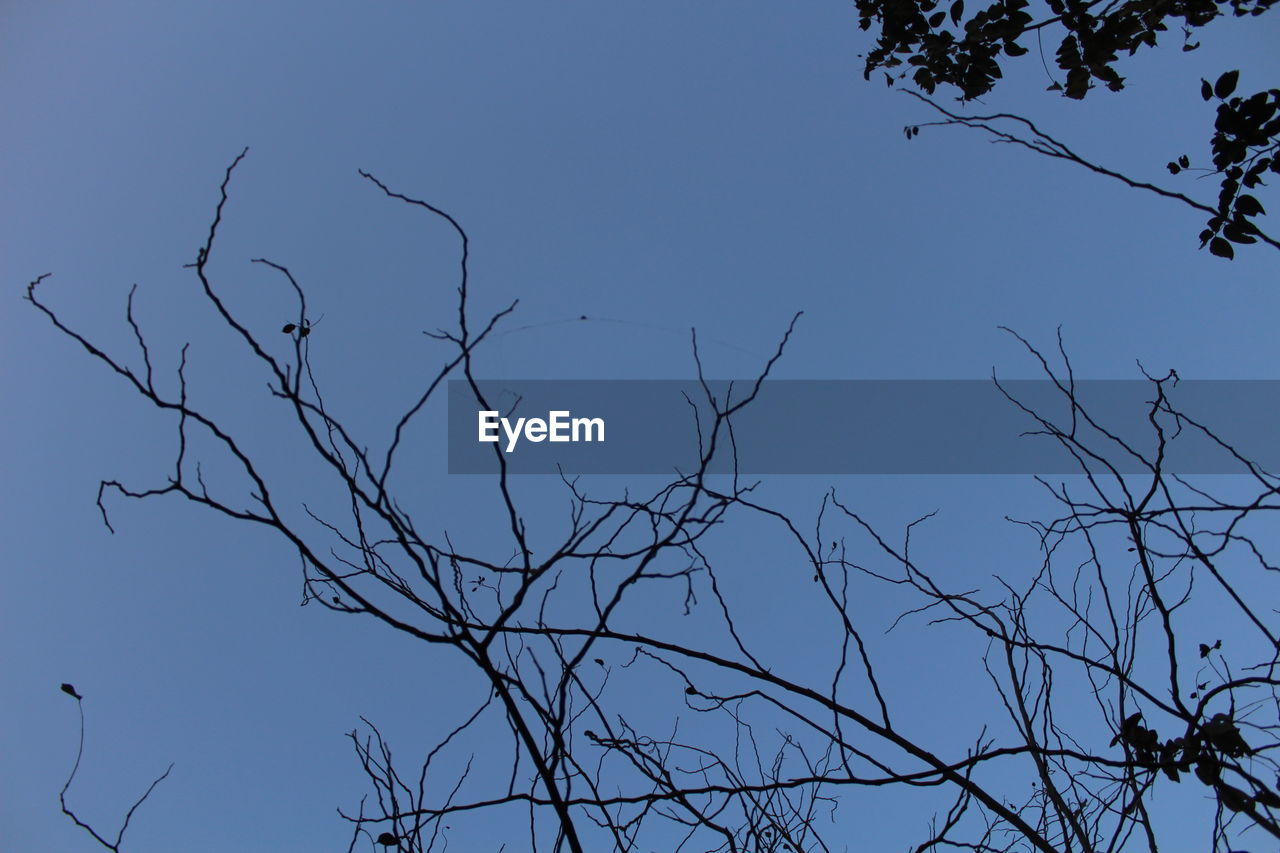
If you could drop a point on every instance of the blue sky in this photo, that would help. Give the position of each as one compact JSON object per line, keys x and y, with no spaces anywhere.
{"x":713,"y":165}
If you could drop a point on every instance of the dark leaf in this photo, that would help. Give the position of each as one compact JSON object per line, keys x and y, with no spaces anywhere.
{"x":937,"y":18}
{"x":1184,"y":161}
{"x":386,"y":839}
{"x":1221,"y":248}
{"x":690,"y":690}
{"x":1233,"y":798}
{"x":1014,"y":49}
{"x":1236,"y":234}
{"x":1249,"y":206}
{"x":70,"y":691}
{"x":1206,"y":91}
{"x":1128,"y":729}
{"x":1223,"y":734}
{"x":1207,"y":771}
{"x":288,"y":328}
{"x":1174,"y":169}
{"x":306,"y":330}
{"x":1204,"y":650}
{"x":1077,"y":83}
{"x":1226,"y":84}
{"x":957,"y":11}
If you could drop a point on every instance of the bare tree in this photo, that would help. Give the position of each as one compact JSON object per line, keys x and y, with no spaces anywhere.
{"x":1108,"y":686}
{"x":67,"y":810}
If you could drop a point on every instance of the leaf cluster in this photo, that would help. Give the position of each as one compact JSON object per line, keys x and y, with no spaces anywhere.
{"x":947,"y":48}
{"x":1245,"y":146}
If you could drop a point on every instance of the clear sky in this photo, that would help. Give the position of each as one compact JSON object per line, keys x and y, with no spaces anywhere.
{"x":719,"y":165}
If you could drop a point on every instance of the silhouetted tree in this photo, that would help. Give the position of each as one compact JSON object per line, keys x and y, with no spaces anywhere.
{"x":927,"y":45}
{"x":103,"y":840}
{"x":1108,"y":682}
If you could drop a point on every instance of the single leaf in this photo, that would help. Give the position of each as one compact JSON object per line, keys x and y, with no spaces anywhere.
{"x":937,"y":18}
{"x":1184,"y":161}
{"x":1236,"y":234}
{"x":1221,"y":248}
{"x":1249,"y":206}
{"x":1226,"y":84}
{"x":1233,"y":798}
{"x":1207,"y":771}
{"x":957,"y":11}
{"x":1206,"y":91}
{"x":1077,"y":83}
{"x":288,"y":328}
{"x":1174,"y":169}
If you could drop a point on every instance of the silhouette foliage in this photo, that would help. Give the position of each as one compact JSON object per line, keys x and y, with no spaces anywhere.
{"x":928,"y":45}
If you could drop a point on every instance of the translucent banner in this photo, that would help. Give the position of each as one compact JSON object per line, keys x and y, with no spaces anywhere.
{"x":854,"y":426}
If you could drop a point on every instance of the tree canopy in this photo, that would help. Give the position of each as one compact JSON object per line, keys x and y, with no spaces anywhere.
{"x":969,"y":53}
